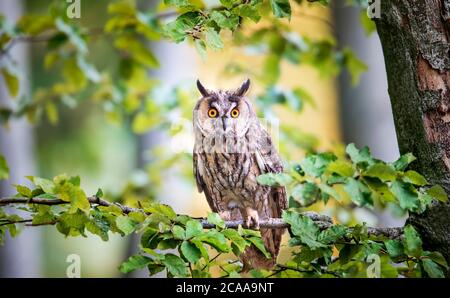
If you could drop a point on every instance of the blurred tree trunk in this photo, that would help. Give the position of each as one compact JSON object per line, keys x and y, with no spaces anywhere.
{"x":182,"y":58}
{"x":365,"y":113}
{"x":415,"y":38}
{"x":21,"y":256}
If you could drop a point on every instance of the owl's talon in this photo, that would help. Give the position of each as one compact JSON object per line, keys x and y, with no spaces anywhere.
{"x":251,"y":218}
{"x":225,"y":215}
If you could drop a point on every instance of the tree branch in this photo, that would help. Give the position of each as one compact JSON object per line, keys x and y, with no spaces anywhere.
{"x":322,"y":221}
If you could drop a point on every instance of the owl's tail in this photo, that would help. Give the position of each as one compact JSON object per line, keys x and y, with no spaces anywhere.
{"x":253,"y":258}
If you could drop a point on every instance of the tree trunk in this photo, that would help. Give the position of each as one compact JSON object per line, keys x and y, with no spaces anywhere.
{"x":415,"y":38}
{"x":21,"y":256}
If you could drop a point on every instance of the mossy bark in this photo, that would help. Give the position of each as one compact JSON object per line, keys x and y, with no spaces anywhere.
{"x":415,"y":38}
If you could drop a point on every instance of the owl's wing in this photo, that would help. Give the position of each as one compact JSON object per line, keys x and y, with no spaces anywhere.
{"x":198,"y":177}
{"x":269,"y":162}
{"x":201,"y":185}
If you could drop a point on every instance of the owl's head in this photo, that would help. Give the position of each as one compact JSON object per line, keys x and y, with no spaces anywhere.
{"x":226,"y":112}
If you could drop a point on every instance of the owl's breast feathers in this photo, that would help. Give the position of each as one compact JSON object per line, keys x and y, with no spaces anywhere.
{"x":232,"y":176}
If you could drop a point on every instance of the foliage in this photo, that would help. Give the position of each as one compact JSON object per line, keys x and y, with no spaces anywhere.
{"x":318,"y":249}
{"x":131,"y":91}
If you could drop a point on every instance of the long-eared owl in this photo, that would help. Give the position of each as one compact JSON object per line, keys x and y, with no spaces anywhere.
{"x":232,"y":148}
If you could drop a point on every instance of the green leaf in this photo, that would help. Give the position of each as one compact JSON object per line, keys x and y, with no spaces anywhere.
{"x":24,"y":191}
{"x":437,"y":257}
{"x":137,"y":50}
{"x":367,"y":23}
{"x":44,"y":215}
{"x":134,"y":263}
{"x":100,"y":224}
{"x":306,"y":193}
{"x":248,"y":232}
{"x":214,"y":239}
{"x":162,"y":209}
{"x":75,"y":78}
{"x":358,"y":192}
{"x":227,"y":3}
{"x":143,"y":122}
{"x":354,"y":65}
{"x":126,"y":224}
{"x":212,"y":39}
{"x":72,"y":224}
{"x":178,"y":232}
{"x":271,"y":69}
{"x":292,"y":203}
{"x":348,"y":252}
{"x":236,"y":240}
{"x":178,"y":3}
{"x":381,"y":171}
{"x":412,"y":241}
{"x":315,"y":164}
{"x":52,"y":113}
{"x":281,"y":8}
{"x":274,"y":179}
{"x":330,"y":191}
{"x":395,"y":248}
{"x":11,"y":81}
{"x":432,"y":269}
{"x":12,"y":230}
{"x":415,"y":178}
{"x":308,"y":255}
{"x":200,"y":46}
{"x":403,"y":162}
{"x":190,"y":252}
{"x":137,"y":216}
{"x":69,"y":192}
{"x":35,"y":24}
{"x":361,"y":157}
{"x":202,"y":249}
{"x":99,"y":193}
{"x":406,"y":195}
{"x":215,"y":219}
{"x":259,"y":243}
{"x":304,"y":228}
{"x":193,"y":228}
{"x":46,"y":185}
{"x":248,"y":11}
{"x":122,"y":7}
{"x":225,"y":19}
{"x":438,"y":193}
{"x":4,"y":169}
{"x":149,"y":239}
{"x":342,"y":168}
{"x":175,"y":265}
{"x":332,"y":234}
{"x":177,"y":29}
{"x":75,"y":180}
{"x":155,"y":268}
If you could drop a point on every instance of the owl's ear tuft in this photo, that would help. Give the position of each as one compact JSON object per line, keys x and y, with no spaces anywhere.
{"x":202,"y":89}
{"x":243,"y":89}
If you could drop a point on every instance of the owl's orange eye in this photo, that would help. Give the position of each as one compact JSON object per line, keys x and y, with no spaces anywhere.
{"x":212,"y":113}
{"x":234,"y":113}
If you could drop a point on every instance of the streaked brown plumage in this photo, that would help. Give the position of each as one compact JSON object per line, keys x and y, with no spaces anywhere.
{"x":231,"y":150}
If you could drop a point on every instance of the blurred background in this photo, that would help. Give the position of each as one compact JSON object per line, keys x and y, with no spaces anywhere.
{"x":114,"y":157}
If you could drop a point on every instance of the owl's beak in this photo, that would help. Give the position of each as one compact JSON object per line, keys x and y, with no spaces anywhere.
{"x":225,"y":123}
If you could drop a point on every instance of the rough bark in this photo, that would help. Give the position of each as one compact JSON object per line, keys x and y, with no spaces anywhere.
{"x":415,"y":38}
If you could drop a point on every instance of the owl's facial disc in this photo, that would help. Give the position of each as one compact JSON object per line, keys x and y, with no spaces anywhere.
{"x":223,"y":114}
